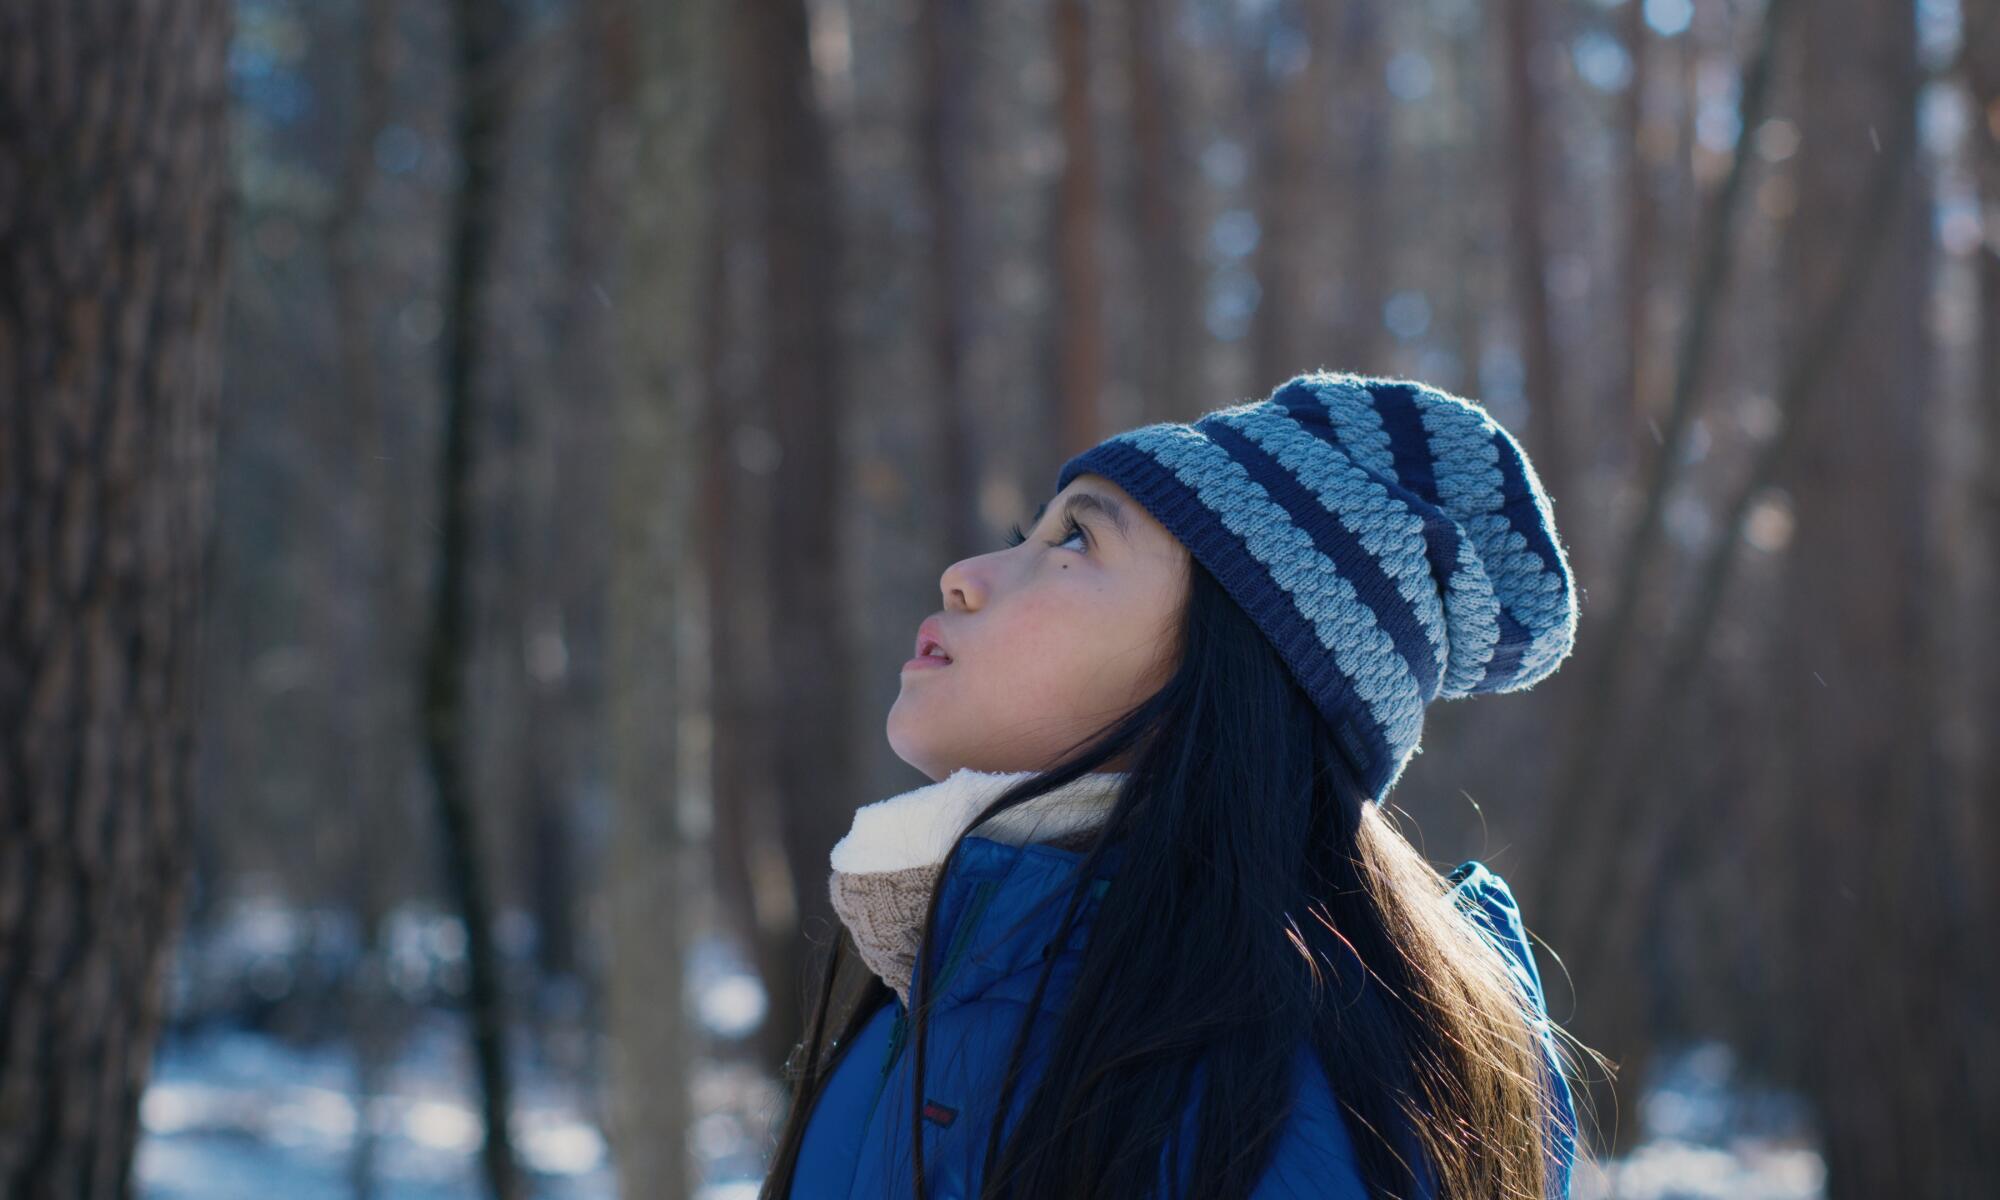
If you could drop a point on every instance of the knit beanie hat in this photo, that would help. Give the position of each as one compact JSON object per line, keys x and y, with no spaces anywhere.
{"x":1390,"y":539}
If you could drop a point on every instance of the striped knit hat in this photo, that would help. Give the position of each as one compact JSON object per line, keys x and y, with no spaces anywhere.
{"x":1389,"y":538}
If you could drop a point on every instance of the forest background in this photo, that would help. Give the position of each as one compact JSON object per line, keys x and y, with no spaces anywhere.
{"x":469,"y":471}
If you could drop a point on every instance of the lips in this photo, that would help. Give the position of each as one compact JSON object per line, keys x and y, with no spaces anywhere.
{"x":930,"y":640}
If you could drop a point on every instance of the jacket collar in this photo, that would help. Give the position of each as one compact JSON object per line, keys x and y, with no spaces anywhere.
{"x":915,"y":828}
{"x":883,"y":870}
{"x":998,"y":915}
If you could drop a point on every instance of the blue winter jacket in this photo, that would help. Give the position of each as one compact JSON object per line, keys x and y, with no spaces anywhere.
{"x":856,"y":1144}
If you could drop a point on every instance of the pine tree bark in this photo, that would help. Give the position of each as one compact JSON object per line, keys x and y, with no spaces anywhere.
{"x":945,"y":31}
{"x":1981,"y":60}
{"x":1291,"y":102}
{"x":800,"y":372}
{"x":479,"y":33}
{"x":1527,"y":184}
{"x":1077,"y":318}
{"x":1874,"y":951}
{"x":1638,"y":371}
{"x":663,"y":89}
{"x":370,"y":635}
{"x":1169,"y":275}
{"x":1366,"y":187}
{"x":113,"y":169}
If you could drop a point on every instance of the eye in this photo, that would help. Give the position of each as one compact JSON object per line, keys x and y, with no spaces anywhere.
{"x":1070,"y":530}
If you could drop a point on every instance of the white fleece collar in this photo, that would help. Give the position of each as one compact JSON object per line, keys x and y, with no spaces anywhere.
{"x":886,"y":867}
{"x":917,"y":827}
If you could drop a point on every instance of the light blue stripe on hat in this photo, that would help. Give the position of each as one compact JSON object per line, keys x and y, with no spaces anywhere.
{"x":1472,"y":611}
{"x":1472,"y":614}
{"x":1385,"y":525}
{"x":1332,"y":538}
{"x":1467,"y":464}
{"x":1351,"y":414}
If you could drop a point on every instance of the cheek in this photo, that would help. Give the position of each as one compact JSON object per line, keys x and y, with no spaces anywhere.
{"x":1039,"y":630}
{"x":1026,"y":657}
{"x":1056,"y":654}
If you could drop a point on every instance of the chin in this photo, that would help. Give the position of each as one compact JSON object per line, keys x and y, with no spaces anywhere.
{"x":907,"y":746}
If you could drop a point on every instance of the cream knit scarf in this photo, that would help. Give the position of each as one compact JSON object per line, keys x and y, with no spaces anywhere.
{"x":883,"y":870}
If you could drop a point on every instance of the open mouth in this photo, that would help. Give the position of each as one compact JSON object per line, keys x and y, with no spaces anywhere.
{"x":930,"y":656}
{"x":930,"y":651}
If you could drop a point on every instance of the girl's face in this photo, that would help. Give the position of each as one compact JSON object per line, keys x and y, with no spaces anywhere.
{"x":1050,"y":639}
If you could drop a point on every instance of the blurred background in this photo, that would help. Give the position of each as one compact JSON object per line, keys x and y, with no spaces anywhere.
{"x":470,"y":471}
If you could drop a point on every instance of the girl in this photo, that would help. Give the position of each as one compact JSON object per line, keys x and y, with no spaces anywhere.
{"x":1148,"y":933}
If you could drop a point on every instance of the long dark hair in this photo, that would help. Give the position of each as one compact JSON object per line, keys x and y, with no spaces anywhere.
{"x":1260,"y":897}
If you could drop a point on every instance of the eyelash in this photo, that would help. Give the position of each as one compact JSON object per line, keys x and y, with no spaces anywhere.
{"x":1070,"y":529}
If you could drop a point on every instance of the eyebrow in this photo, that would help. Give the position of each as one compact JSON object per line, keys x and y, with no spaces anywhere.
{"x":1091,"y":502}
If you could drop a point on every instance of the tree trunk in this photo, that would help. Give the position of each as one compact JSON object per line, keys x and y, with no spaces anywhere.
{"x":1982,"y":69}
{"x":732,"y":537}
{"x":374,"y":716}
{"x":1472,"y":164}
{"x":1359,"y":342}
{"x":1289,"y":99}
{"x":944,"y":31}
{"x":663,"y":84}
{"x":1077,"y":318}
{"x":1637,"y":373}
{"x":1873,"y":962}
{"x":479,"y":34}
{"x":112,"y":175}
{"x":800,"y":374}
{"x":1527,"y":178}
{"x":1170,"y":330}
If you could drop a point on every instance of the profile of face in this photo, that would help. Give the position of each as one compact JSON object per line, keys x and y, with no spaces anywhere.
{"x":1049,"y":639}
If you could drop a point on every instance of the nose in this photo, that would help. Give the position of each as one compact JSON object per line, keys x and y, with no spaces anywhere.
{"x":961,"y":585}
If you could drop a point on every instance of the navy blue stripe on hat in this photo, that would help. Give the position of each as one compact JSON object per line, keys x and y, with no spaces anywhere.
{"x":1519,"y":504}
{"x":1409,"y":442}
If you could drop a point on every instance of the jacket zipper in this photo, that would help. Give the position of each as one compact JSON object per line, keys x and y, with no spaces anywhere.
{"x":977,"y":908}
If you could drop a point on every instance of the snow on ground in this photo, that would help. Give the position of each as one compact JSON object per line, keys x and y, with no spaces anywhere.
{"x":238,"y":1114}
{"x":234,"y":1113}
{"x":1707,"y":1135}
